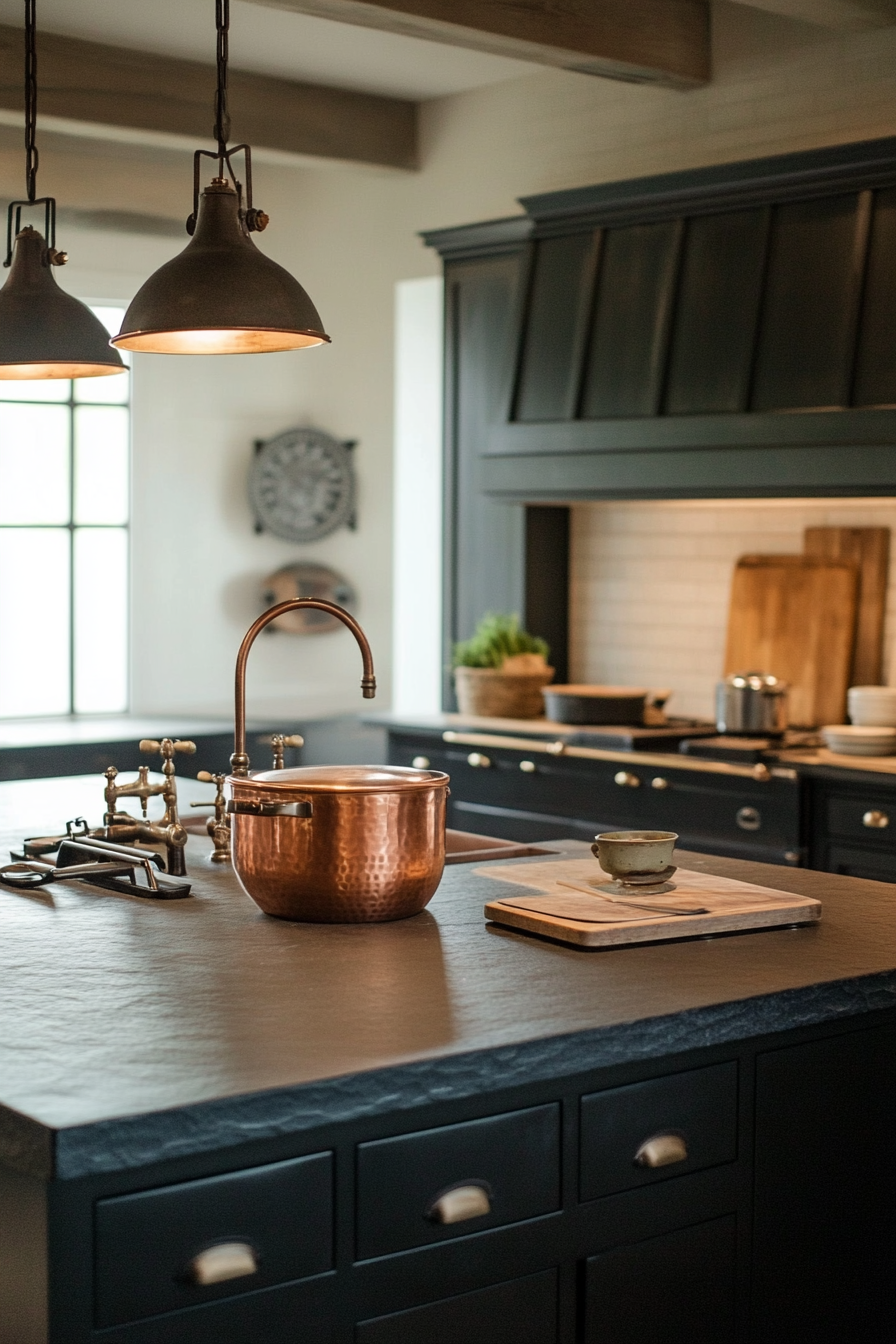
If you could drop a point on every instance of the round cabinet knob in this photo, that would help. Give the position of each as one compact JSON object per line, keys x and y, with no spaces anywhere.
{"x":659,"y":783}
{"x":626,"y":780}
{"x":420,"y":762}
{"x":661,"y":1151}
{"x":460,"y":1203}
{"x":748,"y":819}
{"x":478,"y":761}
{"x":876,"y":819}
{"x":527,"y":767}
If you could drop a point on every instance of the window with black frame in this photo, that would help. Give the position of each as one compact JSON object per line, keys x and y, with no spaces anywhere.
{"x":64,"y":513}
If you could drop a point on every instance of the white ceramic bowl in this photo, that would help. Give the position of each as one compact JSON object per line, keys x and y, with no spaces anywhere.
{"x":849,"y":739}
{"x":872,"y":706}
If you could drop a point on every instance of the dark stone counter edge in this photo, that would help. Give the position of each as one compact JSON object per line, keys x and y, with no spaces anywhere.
{"x":135,"y":1141}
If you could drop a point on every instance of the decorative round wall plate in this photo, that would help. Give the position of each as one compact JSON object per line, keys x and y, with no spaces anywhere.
{"x":307,"y":580}
{"x":302,"y":485}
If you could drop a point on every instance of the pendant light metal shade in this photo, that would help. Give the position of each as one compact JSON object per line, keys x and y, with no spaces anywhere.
{"x":221,"y":295}
{"x":44,"y":332}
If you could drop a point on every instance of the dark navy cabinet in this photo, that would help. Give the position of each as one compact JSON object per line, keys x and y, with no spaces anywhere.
{"x":527,"y":794}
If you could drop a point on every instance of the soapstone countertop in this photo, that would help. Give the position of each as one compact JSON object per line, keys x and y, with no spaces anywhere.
{"x":133,"y":1031}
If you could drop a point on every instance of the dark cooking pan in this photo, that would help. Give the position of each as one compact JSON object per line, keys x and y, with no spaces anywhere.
{"x":596,"y":704}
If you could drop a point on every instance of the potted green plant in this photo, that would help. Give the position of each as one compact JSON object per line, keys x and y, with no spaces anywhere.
{"x":500,"y":671}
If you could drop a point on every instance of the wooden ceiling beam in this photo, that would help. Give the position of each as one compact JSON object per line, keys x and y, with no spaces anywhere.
{"x":647,"y":41}
{"x":850,"y":15}
{"x":90,"y":83}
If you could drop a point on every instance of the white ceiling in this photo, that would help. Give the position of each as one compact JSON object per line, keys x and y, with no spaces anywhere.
{"x":276,"y":42}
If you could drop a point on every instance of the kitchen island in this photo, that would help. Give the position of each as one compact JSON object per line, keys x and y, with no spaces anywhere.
{"x":176,"y":1075}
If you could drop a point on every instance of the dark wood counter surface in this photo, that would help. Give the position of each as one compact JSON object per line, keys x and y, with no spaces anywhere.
{"x":134,"y":1031}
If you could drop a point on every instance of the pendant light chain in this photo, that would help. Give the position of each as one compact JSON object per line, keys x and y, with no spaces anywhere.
{"x":32,"y":158}
{"x":222,"y":117}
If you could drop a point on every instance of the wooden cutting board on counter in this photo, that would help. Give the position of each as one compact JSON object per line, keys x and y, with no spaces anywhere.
{"x":794,"y":616}
{"x":868,"y":548}
{"x":577,"y":914}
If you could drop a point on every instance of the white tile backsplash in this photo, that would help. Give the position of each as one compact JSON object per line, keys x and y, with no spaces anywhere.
{"x":650,"y":582}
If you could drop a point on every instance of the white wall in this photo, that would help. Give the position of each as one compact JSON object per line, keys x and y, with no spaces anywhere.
{"x":417,"y":510}
{"x":351,"y":235}
{"x":651,"y":580}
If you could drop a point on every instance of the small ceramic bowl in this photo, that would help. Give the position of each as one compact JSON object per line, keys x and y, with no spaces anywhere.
{"x":636,"y":856}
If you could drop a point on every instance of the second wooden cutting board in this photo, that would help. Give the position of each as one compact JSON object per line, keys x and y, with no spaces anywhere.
{"x":795,"y":617}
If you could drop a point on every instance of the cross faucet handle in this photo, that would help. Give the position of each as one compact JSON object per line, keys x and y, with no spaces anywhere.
{"x":166,"y":748}
{"x":278,"y":741}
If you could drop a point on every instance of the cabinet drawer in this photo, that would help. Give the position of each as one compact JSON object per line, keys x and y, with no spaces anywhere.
{"x":514,"y":1159}
{"x":698,"y":1107}
{"x":304,"y":1312}
{"x":676,"y":1289}
{"x":870,"y":818}
{"x":523,"y":1311}
{"x":872,"y":861}
{"x":145,"y":1243}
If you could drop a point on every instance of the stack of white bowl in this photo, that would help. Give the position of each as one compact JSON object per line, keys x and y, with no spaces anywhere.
{"x":872,"y":731}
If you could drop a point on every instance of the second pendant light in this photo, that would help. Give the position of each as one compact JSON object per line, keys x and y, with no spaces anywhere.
{"x":221,"y":296}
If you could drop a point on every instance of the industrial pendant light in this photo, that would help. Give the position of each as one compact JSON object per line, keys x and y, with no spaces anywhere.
{"x":221,"y":296}
{"x":44,"y":332}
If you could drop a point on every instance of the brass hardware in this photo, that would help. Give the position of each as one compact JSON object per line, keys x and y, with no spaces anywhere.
{"x":876,"y":819}
{"x":626,"y":780}
{"x":762,"y":773}
{"x":239,"y":761}
{"x":217,"y":1264}
{"x":217,"y":826}
{"x":167,"y":748}
{"x":748,"y":818}
{"x":248,"y":808}
{"x":279,"y":742}
{"x":420,"y":762}
{"x":122,"y":826}
{"x":478,"y":761}
{"x":658,"y":782}
{"x":460,"y":1203}
{"x":528,"y":767}
{"x":662,"y":1151}
{"x":791,"y":856}
{"x":659,"y":760}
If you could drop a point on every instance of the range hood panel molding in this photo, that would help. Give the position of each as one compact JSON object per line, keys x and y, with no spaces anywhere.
{"x":753,"y":289}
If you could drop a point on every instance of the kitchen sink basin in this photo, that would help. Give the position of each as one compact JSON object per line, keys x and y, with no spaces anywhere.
{"x":466,"y":847}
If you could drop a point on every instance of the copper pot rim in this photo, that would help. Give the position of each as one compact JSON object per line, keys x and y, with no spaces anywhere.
{"x":339,"y":779}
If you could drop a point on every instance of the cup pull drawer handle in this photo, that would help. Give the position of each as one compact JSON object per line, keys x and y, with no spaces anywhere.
{"x":876,"y":819}
{"x":217,"y":1264}
{"x":661,"y":1151}
{"x":459,"y":1203}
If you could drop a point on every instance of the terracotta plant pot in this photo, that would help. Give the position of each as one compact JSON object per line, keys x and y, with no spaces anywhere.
{"x":490,"y":692}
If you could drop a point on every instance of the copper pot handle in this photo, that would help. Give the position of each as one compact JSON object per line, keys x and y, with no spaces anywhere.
{"x":239,"y":761}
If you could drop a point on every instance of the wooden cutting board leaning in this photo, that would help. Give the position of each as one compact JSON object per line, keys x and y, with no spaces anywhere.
{"x":795,"y":617}
{"x":565,"y":906}
{"x":868,"y":548}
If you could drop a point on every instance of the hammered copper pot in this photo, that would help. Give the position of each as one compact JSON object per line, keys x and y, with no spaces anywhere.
{"x":372,"y":848}
{"x":349,"y":844}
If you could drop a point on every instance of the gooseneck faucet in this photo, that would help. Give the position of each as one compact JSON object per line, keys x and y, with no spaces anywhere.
{"x":239,"y":761}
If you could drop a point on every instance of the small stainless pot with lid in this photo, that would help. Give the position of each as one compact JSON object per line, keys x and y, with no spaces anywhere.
{"x":751,"y":702}
{"x":346,"y":844}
